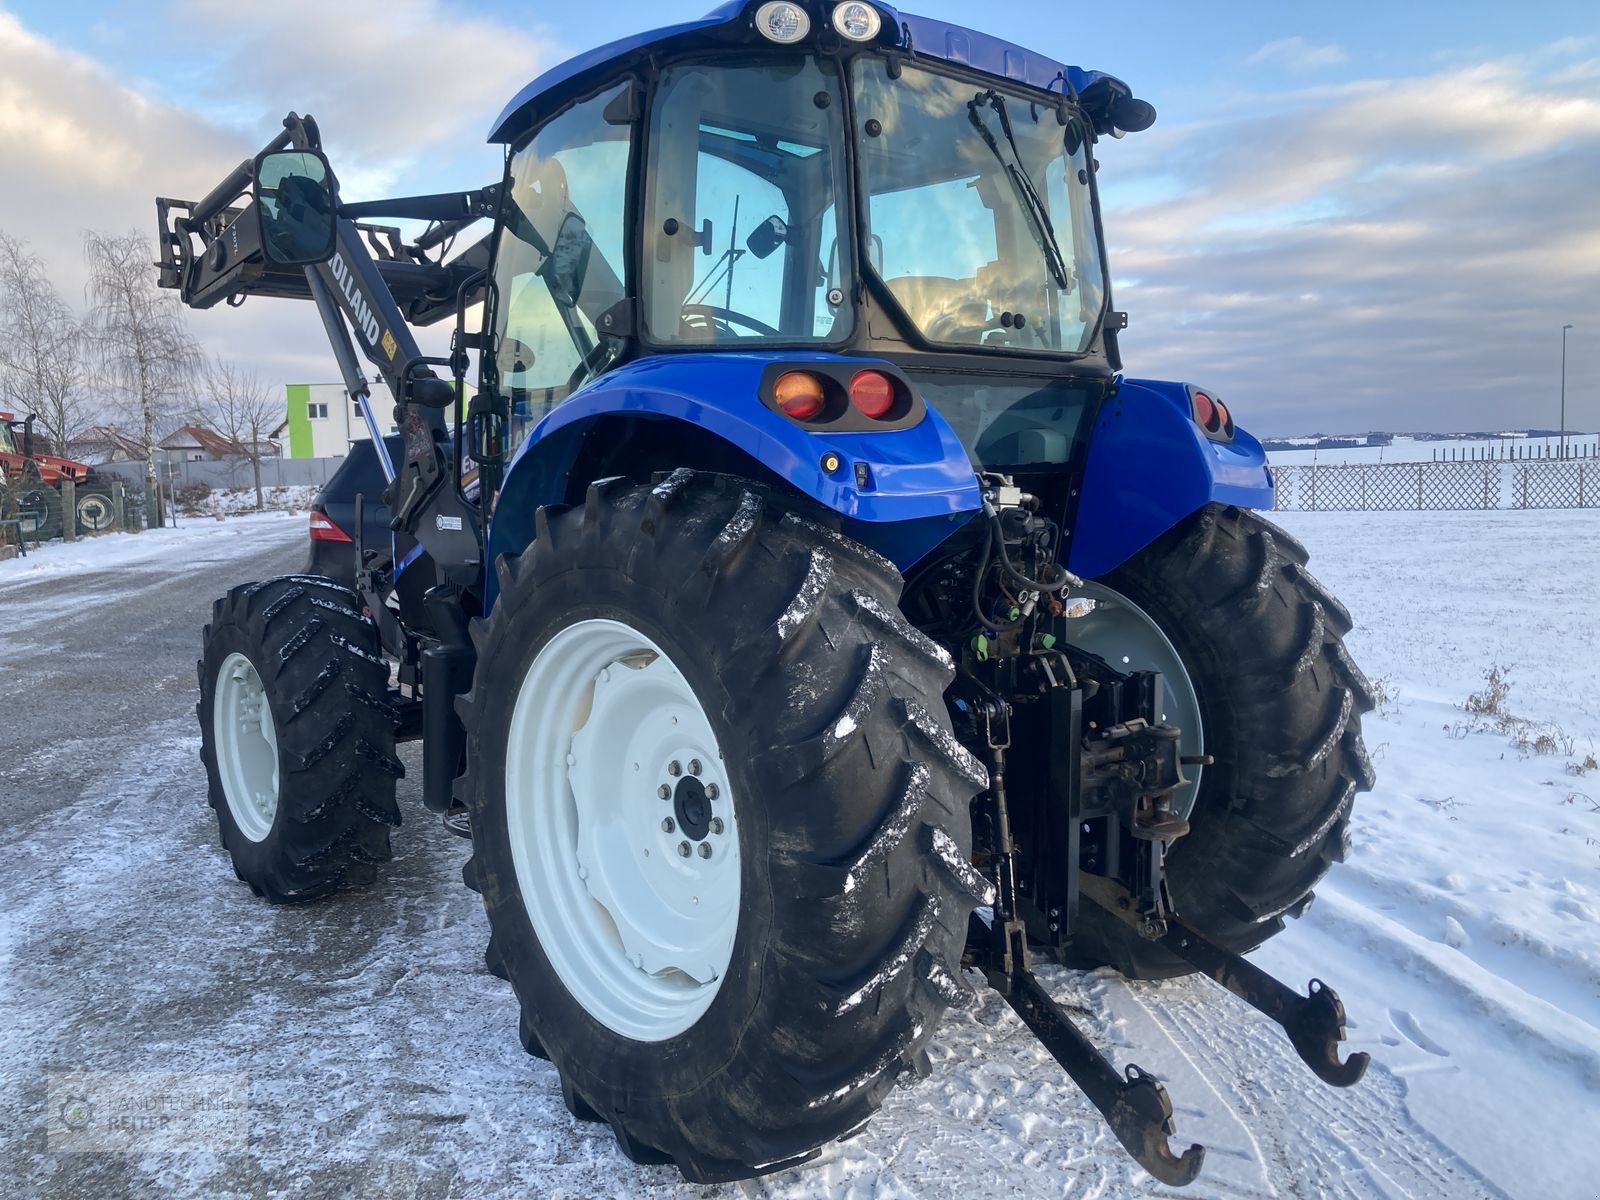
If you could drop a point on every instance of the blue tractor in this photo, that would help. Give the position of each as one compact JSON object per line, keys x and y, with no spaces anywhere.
{"x":796,"y":604}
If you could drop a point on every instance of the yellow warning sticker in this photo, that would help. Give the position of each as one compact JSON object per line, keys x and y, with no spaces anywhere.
{"x":389,"y":346}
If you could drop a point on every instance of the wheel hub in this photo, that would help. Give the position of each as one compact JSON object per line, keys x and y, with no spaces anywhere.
{"x":693,"y":808}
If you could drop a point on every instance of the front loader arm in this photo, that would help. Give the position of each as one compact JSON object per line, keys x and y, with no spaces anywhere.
{"x":211,"y":252}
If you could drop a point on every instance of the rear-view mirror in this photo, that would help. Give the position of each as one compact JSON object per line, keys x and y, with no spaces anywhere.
{"x":767,"y":236}
{"x":293,"y":191}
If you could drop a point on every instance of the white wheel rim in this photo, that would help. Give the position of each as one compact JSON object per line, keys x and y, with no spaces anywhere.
{"x":640,"y":933}
{"x":247,"y":747}
{"x":1128,"y":638}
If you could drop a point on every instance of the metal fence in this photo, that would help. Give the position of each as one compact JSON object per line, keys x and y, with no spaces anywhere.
{"x":1438,"y":485}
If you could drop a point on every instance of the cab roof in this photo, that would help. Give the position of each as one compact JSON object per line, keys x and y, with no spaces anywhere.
{"x":731,"y":24}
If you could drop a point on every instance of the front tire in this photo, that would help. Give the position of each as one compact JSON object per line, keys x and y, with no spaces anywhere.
{"x":1280,"y":703}
{"x":843,"y":797}
{"x":297,"y":737}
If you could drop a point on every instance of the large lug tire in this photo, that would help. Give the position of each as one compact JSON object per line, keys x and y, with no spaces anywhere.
{"x":1281,"y":705}
{"x":846,"y":792}
{"x":297,"y":736}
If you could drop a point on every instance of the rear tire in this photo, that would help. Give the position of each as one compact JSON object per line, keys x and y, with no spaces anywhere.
{"x":304,"y":787}
{"x":1281,"y":704}
{"x":849,"y":800}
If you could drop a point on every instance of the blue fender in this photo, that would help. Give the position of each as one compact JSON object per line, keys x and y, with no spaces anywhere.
{"x":1149,"y":467}
{"x":921,"y":483}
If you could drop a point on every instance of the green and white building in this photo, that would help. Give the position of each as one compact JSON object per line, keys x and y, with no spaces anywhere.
{"x":323,"y":420}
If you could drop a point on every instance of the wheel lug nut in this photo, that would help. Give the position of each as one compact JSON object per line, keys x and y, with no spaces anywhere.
{"x":683,"y":850}
{"x":674,"y":768}
{"x":664,"y":792}
{"x":667,"y":825}
{"x":712,"y":791}
{"x":694,"y":766}
{"x":705,"y":849}
{"x":716,"y":824}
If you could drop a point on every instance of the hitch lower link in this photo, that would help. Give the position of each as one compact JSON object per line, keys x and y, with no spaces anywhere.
{"x":1135,"y":1104}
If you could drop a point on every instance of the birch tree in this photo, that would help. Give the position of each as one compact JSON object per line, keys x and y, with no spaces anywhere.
{"x":243,"y":410}
{"x":141,"y":340}
{"x":44,"y":367}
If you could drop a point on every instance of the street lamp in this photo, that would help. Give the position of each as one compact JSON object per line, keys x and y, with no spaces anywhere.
{"x":1564,"y":329}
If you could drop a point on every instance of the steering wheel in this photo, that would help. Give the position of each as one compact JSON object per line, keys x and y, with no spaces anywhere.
{"x":722,"y":320}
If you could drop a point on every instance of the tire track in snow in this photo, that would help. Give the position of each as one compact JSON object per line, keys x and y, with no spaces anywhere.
{"x":1321,"y":1139}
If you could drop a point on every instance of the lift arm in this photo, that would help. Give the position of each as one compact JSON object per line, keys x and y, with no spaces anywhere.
{"x":374,"y":281}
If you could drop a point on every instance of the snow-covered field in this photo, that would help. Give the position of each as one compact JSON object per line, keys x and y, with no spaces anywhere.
{"x":1407,"y":449}
{"x":1464,"y":936}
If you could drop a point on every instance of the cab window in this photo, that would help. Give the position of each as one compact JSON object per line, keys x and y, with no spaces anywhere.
{"x":559,"y":262}
{"x":744,"y":172}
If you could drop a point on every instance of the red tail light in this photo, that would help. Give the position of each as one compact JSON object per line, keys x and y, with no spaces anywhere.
{"x":872,"y":392}
{"x":324,"y":530}
{"x":800,"y":395}
{"x":1206,"y":414}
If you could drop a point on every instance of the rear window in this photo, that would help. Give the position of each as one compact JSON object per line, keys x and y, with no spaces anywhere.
{"x":1013,"y":423}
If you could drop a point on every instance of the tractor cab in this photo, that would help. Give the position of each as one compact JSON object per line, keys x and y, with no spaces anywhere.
{"x":871,"y":185}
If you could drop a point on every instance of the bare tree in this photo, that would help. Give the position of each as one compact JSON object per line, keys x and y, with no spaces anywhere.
{"x":43,"y":349}
{"x":141,"y":341}
{"x":243,"y":410}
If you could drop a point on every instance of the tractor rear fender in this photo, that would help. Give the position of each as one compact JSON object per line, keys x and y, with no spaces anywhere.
{"x":900,"y":491}
{"x":1150,"y":466}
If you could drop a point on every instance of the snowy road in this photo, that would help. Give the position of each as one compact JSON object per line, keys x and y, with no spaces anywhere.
{"x":382,"y":1059}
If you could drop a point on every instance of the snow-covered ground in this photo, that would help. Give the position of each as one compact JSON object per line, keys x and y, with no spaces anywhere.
{"x":1464,"y":936}
{"x":242,"y":499}
{"x":1409,"y":449}
{"x":170,"y":545}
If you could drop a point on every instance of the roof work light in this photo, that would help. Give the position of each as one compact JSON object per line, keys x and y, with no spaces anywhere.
{"x":782,"y":22}
{"x":856,"y":21}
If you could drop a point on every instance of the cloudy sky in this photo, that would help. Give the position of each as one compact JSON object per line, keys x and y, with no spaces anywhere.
{"x":1349,"y":216}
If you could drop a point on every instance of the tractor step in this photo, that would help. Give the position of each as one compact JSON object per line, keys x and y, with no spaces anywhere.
{"x":1314,"y":1022}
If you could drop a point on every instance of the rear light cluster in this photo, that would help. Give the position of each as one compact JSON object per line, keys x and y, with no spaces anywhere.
{"x":808,"y":398}
{"x":324,"y":530}
{"x":1212,"y":415}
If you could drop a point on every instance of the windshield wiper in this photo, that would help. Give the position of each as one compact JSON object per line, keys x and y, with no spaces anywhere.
{"x":1043,"y":231}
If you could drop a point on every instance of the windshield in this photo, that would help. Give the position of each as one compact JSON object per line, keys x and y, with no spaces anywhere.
{"x":739,"y":222}
{"x":979,"y":211}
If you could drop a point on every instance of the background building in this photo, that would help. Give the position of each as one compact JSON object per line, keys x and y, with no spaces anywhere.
{"x":323,"y":420}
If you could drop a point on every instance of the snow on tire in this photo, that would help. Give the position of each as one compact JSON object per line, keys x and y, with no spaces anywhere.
{"x":848,"y":797}
{"x":297,"y":737}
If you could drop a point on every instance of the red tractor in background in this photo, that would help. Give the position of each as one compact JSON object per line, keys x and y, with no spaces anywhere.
{"x":30,"y":479}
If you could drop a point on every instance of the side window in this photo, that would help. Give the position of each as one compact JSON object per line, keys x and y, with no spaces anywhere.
{"x":743,"y":172}
{"x":559,"y":260}
{"x":729,"y":278}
